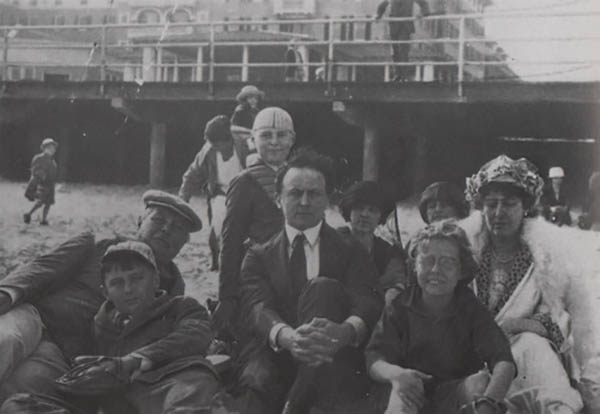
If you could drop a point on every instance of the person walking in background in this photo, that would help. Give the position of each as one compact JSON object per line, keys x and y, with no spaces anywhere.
{"x":555,"y":199}
{"x":401,"y":30}
{"x":40,"y":188}
{"x":222,"y":157}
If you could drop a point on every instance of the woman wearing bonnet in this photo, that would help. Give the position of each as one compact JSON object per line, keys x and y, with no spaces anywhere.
{"x":539,"y":282}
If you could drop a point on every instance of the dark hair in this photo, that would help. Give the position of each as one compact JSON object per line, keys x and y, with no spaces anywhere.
{"x":508,"y":189}
{"x":218,"y":129}
{"x":122,"y":260}
{"x":364,"y":193}
{"x":310,"y":159}
{"x":443,"y":191}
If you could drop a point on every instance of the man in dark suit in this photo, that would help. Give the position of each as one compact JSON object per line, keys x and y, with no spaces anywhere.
{"x":311,"y":300}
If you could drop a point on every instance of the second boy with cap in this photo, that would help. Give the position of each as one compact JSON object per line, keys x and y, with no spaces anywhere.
{"x":153,"y":343}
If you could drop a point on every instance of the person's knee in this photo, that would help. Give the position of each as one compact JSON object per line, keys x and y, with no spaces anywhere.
{"x":37,"y":373}
{"x":528,"y":343}
{"x":323,"y":297}
{"x":259,"y":377}
{"x":475,"y":385}
{"x":199,"y":382}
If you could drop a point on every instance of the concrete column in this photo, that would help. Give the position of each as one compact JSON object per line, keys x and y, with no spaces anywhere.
{"x":148,"y":62}
{"x":4,"y":154}
{"x":245,"y":59}
{"x":420,"y":163}
{"x":199,"y":64}
{"x":370,"y":151}
{"x":158,"y":146}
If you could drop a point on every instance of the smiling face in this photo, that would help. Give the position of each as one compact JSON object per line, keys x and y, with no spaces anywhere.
{"x":130,"y":285}
{"x":165,"y":231}
{"x":364,"y":218}
{"x":303,"y":198}
{"x":273,"y":145}
{"x":438,"y":267}
{"x":503,"y":213}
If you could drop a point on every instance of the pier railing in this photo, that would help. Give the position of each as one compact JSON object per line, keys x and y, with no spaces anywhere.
{"x":452,"y":48}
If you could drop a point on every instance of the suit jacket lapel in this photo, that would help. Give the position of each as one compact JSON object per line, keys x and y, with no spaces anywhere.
{"x":328,"y":253}
{"x":277,"y":265}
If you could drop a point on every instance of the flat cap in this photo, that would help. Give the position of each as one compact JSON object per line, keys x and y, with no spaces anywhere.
{"x":160,"y":198}
{"x":137,"y":248}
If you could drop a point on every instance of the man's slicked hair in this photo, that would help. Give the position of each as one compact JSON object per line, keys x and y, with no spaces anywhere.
{"x":310,"y":159}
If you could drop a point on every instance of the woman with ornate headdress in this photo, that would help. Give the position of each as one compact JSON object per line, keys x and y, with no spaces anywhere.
{"x":536,"y":280}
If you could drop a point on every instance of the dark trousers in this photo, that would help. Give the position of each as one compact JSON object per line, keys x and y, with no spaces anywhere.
{"x":269,"y":378}
{"x":401,"y":31}
{"x":189,"y":391}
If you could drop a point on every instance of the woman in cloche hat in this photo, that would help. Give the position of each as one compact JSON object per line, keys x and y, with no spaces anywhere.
{"x":249,"y":99}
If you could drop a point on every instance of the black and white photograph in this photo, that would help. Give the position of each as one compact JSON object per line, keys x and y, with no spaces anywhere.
{"x":299,"y":207}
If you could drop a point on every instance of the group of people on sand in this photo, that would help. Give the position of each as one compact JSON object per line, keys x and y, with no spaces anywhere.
{"x":481,"y":312}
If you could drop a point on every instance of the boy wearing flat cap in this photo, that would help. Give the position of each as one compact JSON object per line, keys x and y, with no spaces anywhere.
{"x":63,"y":286}
{"x":40,"y":188}
{"x":222,"y":157}
{"x":157,"y":342}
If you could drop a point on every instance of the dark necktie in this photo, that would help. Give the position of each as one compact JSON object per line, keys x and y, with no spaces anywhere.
{"x":298,"y":265}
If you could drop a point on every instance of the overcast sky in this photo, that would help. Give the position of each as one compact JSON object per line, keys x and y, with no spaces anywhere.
{"x":562,"y":26}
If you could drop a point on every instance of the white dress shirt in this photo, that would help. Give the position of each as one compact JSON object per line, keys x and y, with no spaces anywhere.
{"x":311,"y":247}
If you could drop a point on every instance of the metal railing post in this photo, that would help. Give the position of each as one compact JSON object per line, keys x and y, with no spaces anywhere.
{"x":103,"y":54}
{"x":330,"y":51}
{"x":461,"y":55}
{"x":211,"y":46}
